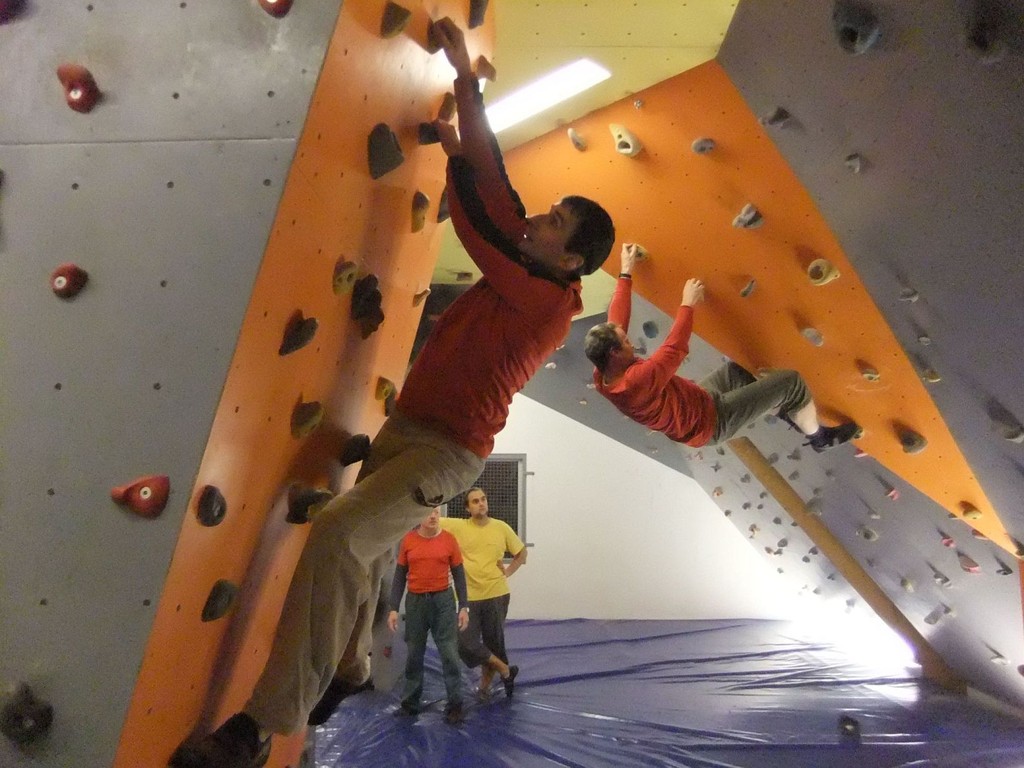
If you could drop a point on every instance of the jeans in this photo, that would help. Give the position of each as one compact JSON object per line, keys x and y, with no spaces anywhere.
{"x":329,"y":609}
{"x":433,"y":612}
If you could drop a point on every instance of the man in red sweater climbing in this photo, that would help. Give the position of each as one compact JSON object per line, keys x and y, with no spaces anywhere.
{"x":650,"y":392}
{"x":456,"y":397}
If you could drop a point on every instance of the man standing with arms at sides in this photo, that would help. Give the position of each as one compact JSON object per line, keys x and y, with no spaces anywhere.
{"x":483,"y":350}
{"x":650,"y":392}
{"x":425,"y":557}
{"x":484,"y":542}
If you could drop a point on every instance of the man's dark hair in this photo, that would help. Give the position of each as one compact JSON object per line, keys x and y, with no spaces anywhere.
{"x":601,"y":341}
{"x":474,"y":489}
{"x":594,"y":235}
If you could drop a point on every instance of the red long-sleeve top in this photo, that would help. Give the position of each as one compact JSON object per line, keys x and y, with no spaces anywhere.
{"x":494,"y":337}
{"x":650,"y":392}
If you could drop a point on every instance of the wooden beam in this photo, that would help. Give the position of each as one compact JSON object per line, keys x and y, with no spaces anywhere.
{"x":932,"y":664}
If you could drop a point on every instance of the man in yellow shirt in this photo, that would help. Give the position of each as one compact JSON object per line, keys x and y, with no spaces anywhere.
{"x":484,"y":542}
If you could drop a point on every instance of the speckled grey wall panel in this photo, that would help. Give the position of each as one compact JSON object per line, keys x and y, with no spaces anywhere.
{"x":937,"y":209}
{"x":167,"y":202}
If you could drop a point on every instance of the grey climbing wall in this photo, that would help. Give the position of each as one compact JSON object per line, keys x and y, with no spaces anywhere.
{"x":164,"y":194}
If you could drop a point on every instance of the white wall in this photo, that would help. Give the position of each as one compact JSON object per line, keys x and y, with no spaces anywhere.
{"x":617,"y":535}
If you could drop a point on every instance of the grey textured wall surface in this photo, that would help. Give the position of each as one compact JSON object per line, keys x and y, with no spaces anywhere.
{"x":165,"y":194}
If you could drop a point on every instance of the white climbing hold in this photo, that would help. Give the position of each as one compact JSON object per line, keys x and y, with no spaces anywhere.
{"x":703,"y":145}
{"x":813,"y":335}
{"x":748,"y":218}
{"x":625,"y":142}
{"x":822,"y":271}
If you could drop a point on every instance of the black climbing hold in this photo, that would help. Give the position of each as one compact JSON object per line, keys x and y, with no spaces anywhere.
{"x":394,"y":20}
{"x":650,"y":329}
{"x":220,"y":600}
{"x":212,"y":506}
{"x":855,"y":25}
{"x":477,"y":11}
{"x":25,"y":719}
{"x":297,"y":333}
{"x":304,"y":502}
{"x":433,"y":38}
{"x":355,"y":449}
{"x":427,"y":134}
{"x":366,"y":309}
{"x":442,"y":207}
{"x":383,"y":151}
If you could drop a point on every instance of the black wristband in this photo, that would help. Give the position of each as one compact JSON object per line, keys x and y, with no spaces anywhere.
{"x":625,"y":274}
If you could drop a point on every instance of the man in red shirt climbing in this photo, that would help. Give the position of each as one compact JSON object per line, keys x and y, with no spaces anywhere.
{"x":650,"y":392}
{"x":483,"y":350}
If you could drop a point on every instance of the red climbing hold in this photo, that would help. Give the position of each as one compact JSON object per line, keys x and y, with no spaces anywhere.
{"x":146,"y":497}
{"x":68,"y":279}
{"x":80,"y":89}
{"x":276,"y":8}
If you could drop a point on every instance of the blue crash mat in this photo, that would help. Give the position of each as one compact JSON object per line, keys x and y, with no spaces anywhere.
{"x":679,"y":694}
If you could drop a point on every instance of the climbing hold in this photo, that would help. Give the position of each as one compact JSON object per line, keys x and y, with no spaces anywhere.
{"x":748,"y":218}
{"x":868,"y":534}
{"x":849,"y":728}
{"x":383,"y":151}
{"x":1003,"y":569}
{"x":924,"y":340}
{"x":625,"y":142}
{"x":477,"y":12}
{"x":998,"y":659}
{"x":146,"y":496}
{"x":969,"y":511}
{"x":931,"y":376}
{"x":868,"y":372}
{"x":854,"y":162}
{"x":650,"y":329}
{"x":890,"y":491}
{"x":939,"y":613}
{"x":212,"y":506}
{"x":967,"y":563}
{"x":577,"y":141}
{"x":551,"y":366}
{"x":776,"y":119}
{"x":447,"y":109}
{"x":703,"y":145}
{"x":80,"y":89}
{"x":68,"y":279}
{"x":304,"y":502}
{"x":822,"y":271}
{"x":794,"y":475}
{"x":745,"y":478}
{"x":427,"y":133}
{"x":813,"y":335}
{"x":727,"y":512}
{"x":418,"y":298}
{"x":298,"y":332}
{"x":24,"y":718}
{"x":1018,"y":548}
{"x":385,"y":388}
{"x":754,"y":530}
{"x":344,"y":276}
{"x":783,"y":543}
{"x":220,"y":600}
{"x":276,"y":8}
{"x":984,"y":32}
{"x":794,"y":455}
{"x":860,"y":453}
{"x":433,"y":44}
{"x":420,"y":203}
{"x":718,"y":491}
{"x":366,"y":310}
{"x":940,"y":579}
{"x":716,"y":467}
{"x":442,"y":207}
{"x":855,"y":25}
{"x":306,"y":417}
{"x":355,"y":449}
{"x":485,"y":70}
{"x":911,"y":441}
{"x":947,"y":540}
{"x":907,"y":584}
{"x":773,"y":458}
{"x":909,"y":295}
{"x":394,"y":20}
{"x":9,"y":9}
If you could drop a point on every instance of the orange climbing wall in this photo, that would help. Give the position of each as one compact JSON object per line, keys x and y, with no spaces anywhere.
{"x":680,"y":205}
{"x":195,"y":674}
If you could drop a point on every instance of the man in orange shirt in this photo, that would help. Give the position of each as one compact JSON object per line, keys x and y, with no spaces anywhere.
{"x":650,"y":392}
{"x":425,"y":557}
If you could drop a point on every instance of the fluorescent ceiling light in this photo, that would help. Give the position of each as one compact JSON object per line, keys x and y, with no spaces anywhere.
{"x":553,"y":88}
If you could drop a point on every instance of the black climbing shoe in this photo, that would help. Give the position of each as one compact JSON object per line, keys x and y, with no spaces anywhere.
{"x":333,"y":696}
{"x":236,"y":744}
{"x":510,"y":681}
{"x":829,"y":437}
{"x":406,"y":710}
{"x":453,"y":714}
